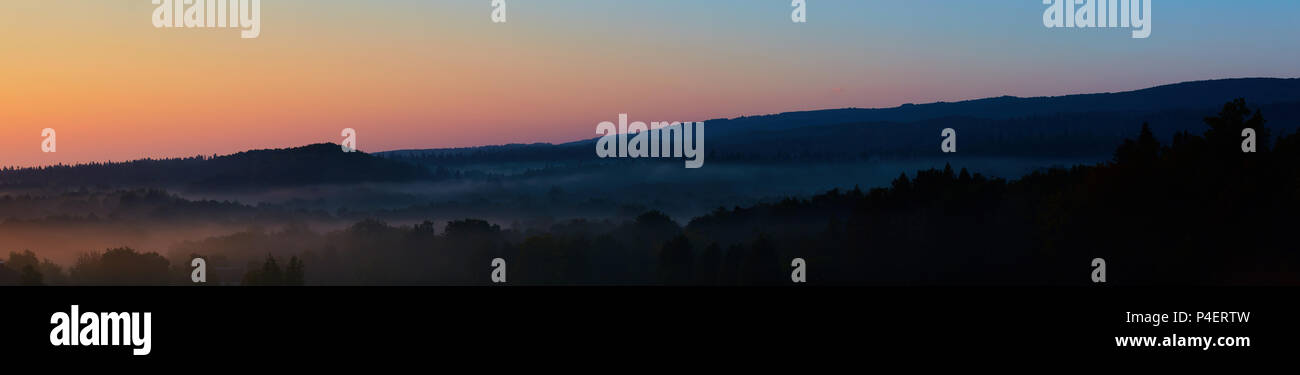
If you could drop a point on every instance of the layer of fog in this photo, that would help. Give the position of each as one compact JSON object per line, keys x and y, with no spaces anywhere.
{"x":530,"y":198}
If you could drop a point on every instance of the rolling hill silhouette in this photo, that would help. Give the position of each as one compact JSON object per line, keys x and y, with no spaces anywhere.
{"x":1072,"y":126}
{"x":322,"y":163}
{"x":1059,"y":126}
{"x":1197,"y":95}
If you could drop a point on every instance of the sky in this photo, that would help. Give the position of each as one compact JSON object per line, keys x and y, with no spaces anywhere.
{"x":439,"y":73}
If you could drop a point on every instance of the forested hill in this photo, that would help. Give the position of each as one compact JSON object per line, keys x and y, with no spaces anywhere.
{"x":307,"y":165}
{"x":1085,"y":125}
{"x":1076,"y":127}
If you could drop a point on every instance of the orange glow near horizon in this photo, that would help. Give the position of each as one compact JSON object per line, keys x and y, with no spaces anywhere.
{"x":421,"y":74}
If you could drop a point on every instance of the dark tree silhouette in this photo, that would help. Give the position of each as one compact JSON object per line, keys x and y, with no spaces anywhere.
{"x":31,"y":276}
{"x":1225,"y":129}
{"x":1144,"y":151}
{"x":708,"y":266}
{"x":269,"y":273}
{"x":123,"y":266}
{"x":676,"y":262}
{"x":294,"y":274}
{"x":761,"y":265}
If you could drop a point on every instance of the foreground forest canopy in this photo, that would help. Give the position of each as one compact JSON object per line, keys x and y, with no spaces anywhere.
{"x":1194,"y":209}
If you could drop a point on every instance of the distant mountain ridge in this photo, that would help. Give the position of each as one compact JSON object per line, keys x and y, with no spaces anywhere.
{"x":1186,"y":95}
{"x":322,"y":163}
{"x":1070,"y":125}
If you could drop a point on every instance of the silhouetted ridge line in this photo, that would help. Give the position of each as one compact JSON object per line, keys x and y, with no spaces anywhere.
{"x":312,"y":164}
{"x":1084,"y":125}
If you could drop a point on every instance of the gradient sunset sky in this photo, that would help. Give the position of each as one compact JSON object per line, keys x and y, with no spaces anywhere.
{"x":439,"y":73}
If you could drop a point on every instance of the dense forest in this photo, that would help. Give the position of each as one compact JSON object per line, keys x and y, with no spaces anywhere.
{"x":313,"y":164}
{"x":1195,"y":209}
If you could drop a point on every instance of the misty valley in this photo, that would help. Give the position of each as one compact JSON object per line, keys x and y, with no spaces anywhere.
{"x":859,"y":196}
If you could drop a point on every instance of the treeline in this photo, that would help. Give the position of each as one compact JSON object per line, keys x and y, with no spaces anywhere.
{"x":301,"y":166}
{"x":1197,"y":210}
{"x":134,"y":204}
{"x":126,"y":266}
{"x":1069,"y":134}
